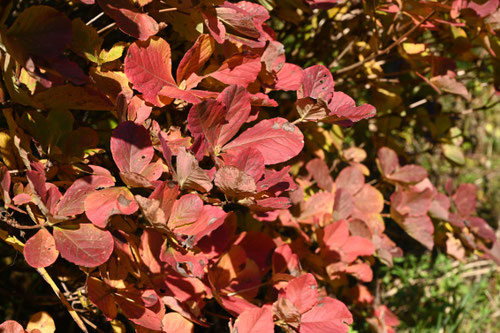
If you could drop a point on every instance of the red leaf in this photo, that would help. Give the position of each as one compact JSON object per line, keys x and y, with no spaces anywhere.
{"x":350,"y":179}
{"x":362,"y":272}
{"x":318,"y":208}
{"x":465,"y":199}
{"x":205,"y":121}
{"x":284,"y":259}
{"x":276,"y":139}
{"x":249,"y":160}
{"x":303,"y":292}
{"x":186,"y":210}
{"x":131,"y":147}
{"x":100,"y":294}
{"x":276,"y":181}
{"x":317,"y":82}
{"x":288,"y":78}
{"x":189,"y":174}
{"x":321,"y":174}
{"x":195,"y":57}
{"x":148,"y":66}
{"x":409,"y":174}
{"x":357,"y":246}
{"x":258,"y":320}
{"x":40,"y":250}
{"x":129,"y":19}
{"x":210,"y":218}
{"x":369,"y":200}
{"x":238,"y":69}
{"x":11,"y":326}
{"x":343,"y":110}
{"x":234,"y":183}
{"x":330,"y":315}
{"x":142,"y":308}
{"x":73,"y":199}
{"x":237,"y":102}
{"x":85,"y":246}
{"x":449,"y":83}
{"x":411,"y":203}
{"x":388,"y":160}
{"x":100,"y":205}
{"x":240,"y":26}
{"x":420,"y":228}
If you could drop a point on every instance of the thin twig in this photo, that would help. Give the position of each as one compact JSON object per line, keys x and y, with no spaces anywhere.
{"x":106,"y":28}
{"x":94,"y":19}
{"x":19,"y":246}
{"x":387,"y":49}
{"x":167,"y":10}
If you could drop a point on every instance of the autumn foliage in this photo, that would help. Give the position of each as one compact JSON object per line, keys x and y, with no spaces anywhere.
{"x":177,"y":162}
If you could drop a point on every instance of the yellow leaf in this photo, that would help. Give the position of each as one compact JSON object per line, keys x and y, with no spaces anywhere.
{"x":41,"y":321}
{"x":414,"y":48}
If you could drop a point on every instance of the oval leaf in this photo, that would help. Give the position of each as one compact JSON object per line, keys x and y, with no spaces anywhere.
{"x":276,"y":139}
{"x":85,"y":246}
{"x":40,"y":250}
{"x":131,"y":147}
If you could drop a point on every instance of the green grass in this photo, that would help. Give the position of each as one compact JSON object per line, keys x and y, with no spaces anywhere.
{"x":438,"y":294}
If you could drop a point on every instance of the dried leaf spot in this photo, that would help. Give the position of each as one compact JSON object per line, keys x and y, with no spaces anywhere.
{"x":123,"y":201}
{"x":276,"y":126}
{"x":287,"y":127}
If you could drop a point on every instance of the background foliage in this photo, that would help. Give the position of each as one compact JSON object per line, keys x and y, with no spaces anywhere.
{"x":142,"y":182}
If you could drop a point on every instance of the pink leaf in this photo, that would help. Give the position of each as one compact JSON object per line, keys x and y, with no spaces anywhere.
{"x":85,"y":246}
{"x":409,"y":174}
{"x":72,"y":200}
{"x":303,"y":292}
{"x":249,"y":160}
{"x":343,"y":110}
{"x":131,"y":147}
{"x":317,"y":82}
{"x":189,"y":174}
{"x":186,"y":210}
{"x":320,"y":173}
{"x":258,"y":320}
{"x":329,"y":315}
{"x":288,"y":78}
{"x":11,"y":326}
{"x":465,"y":199}
{"x":238,"y":69}
{"x":237,"y":102}
{"x":100,"y":205}
{"x":234,"y":183}
{"x":175,"y":323}
{"x":388,"y":160}
{"x":350,"y":179}
{"x":276,"y":139}
{"x":148,"y":66}
{"x":129,"y":19}
{"x":40,"y":250}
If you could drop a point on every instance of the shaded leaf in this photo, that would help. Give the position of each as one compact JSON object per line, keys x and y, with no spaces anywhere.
{"x":131,"y":147}
{"x":129,"y":19}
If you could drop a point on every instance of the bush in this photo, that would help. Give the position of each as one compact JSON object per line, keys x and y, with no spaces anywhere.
{"x":249,"y":190}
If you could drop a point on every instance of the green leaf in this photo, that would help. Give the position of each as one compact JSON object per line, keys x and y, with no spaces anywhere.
{"x":454,"y":154}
